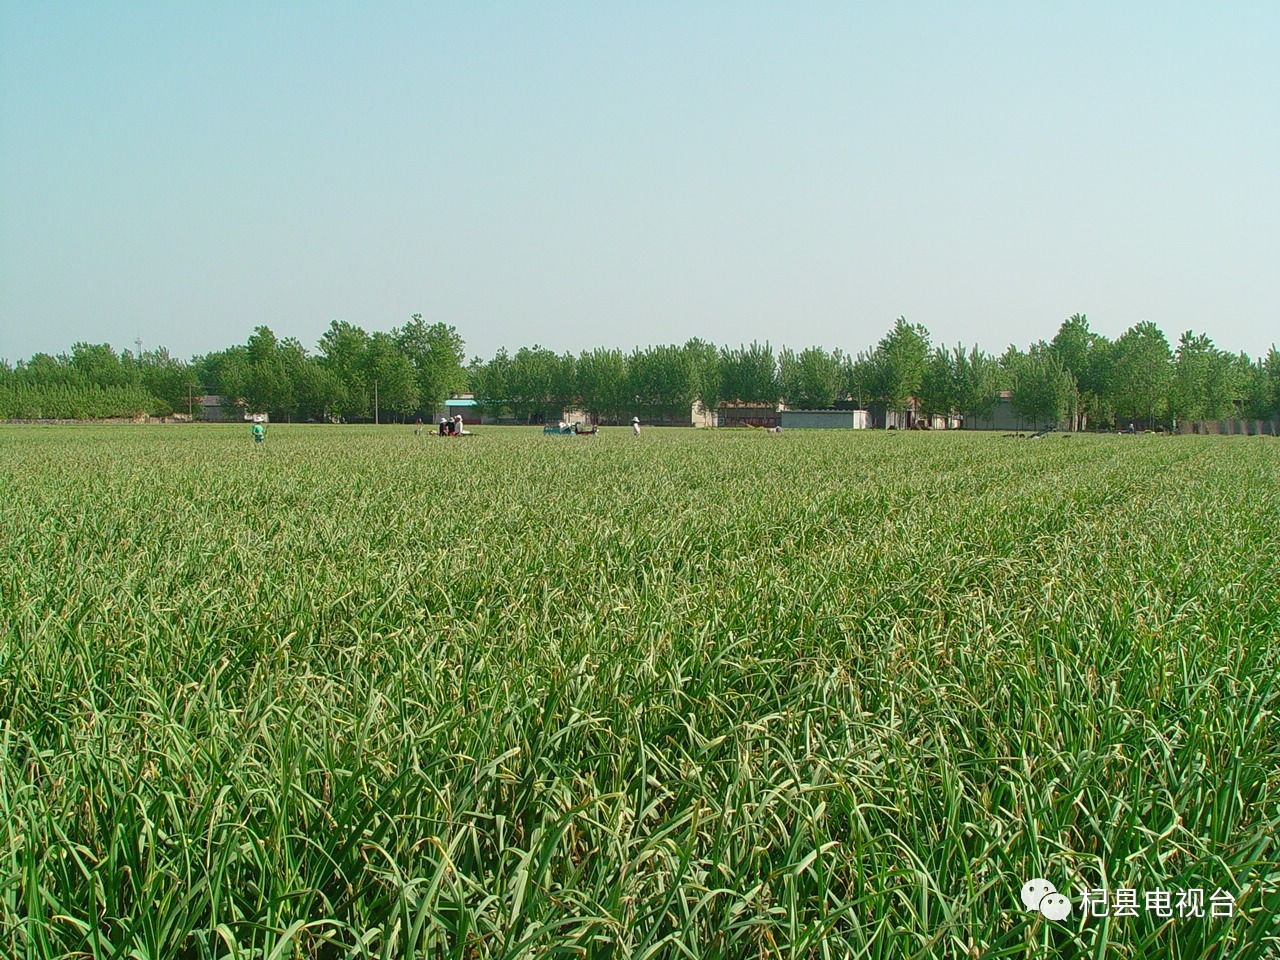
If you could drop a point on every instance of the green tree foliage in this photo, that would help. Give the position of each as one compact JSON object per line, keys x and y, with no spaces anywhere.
{"x":977,"y":381}
{"x":272,"y":376}
{"x":902,"y":355}
{"x":353,"y":369}
{"x":318,"y":391}
{"x":219,"y":373}
{"x":1141,"y":374}
{"x":99,"y":365}
{"x":532,"y":383}
{"x":1086,"y":356}
{"x":392,"y":378}
{"x":564,"y":383}
{"x":164,"y":377}
{"x":1272,"y":367}
{"x":343,"y":347}
{"x":938,"y":393}
{"x":811,"y":379}
{"x":66,"y":401}
{"x":416,"y":366}
{"x":265,"y":387}
{"x":1008,"y":362}
{"x":749,"y":375}
{"x":436,"y":351}
{"x":704,"y":360}
{"x":490,"y":383}
{"x":44,"y":369}
{"x":865,"y":378}
{"x":1255,"y":387}
{"x":602,"y":384}
{"x":1042,"y":389}
{"x":1097,"y":403}
{"x":1206,"y":383}
{"x":662,"y":381}
{"x":959,"y":382}
{"x":90,"y":382}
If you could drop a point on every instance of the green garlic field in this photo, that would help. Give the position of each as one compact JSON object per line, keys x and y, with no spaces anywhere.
{"x":356,"y":693}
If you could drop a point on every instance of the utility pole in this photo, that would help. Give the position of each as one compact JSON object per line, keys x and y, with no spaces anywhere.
{"x":375,"y":403}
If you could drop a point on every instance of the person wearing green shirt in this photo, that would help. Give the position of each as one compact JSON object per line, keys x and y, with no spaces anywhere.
{"x":259,"y":433}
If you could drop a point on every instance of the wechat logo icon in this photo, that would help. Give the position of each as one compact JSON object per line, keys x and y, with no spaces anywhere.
{"x":1040,"y":894}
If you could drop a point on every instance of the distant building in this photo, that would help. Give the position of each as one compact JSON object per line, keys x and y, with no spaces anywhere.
{"x":747,"y":415}
{"x":882,"y":418}
{"x":466,"y":405}
{"x":1001,"y":416}
{"x":824,"y":419}
{"x":1256,"y":428}
{"x":216,"y":409}
{"x":698,"y":416}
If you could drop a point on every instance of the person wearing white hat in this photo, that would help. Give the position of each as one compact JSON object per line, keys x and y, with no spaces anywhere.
{"x":635,"y":426}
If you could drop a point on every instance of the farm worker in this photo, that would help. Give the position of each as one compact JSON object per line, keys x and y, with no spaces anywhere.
{"x":635,"y":426}
{"x":457,"y":425}
{"x":444,"y":426}
{"x":259,"y":433}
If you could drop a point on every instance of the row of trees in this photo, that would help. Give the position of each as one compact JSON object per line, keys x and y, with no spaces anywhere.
{"x":666,"y":380}
{"x":353,"y":375}
{"x":92,"y":382}
{"x":1084,"y":378}
{"x":1079,"y":377}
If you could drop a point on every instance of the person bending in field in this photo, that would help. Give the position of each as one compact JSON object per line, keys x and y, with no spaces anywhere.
{"x":635,"y":426}
{"x":259,"y":433}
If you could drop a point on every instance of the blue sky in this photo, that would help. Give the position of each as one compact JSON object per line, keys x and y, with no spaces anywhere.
{"x":618,"y":174}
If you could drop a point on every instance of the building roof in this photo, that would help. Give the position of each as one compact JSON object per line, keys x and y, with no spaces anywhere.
{"x":460,"y":402}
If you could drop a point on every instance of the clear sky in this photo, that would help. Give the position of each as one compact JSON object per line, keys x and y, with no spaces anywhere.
{"x":614,"y":174}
